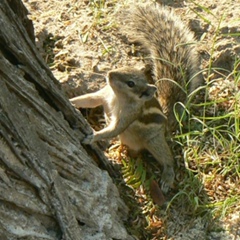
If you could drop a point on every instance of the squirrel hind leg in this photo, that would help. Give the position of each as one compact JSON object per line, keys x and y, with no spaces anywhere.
{"x":133,"y":153}
{"x":160,"y":150}
{"x":167,"y":180}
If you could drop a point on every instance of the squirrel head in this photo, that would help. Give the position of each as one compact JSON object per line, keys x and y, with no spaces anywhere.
{"x":131,"y":84}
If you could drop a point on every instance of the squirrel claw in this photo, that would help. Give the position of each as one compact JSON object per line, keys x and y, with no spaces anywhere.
{"x":88,"y":139}
{"x":167,"y":180}
{"x":165,"y":187}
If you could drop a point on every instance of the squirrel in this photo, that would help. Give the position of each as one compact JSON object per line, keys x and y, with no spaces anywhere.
{"x":134,"y":113}
{"x":140,"y":112}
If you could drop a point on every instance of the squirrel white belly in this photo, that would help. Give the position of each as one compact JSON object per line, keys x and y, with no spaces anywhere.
{"x":132,"y":109}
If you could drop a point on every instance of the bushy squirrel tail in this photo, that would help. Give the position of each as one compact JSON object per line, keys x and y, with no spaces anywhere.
{"x":171,"y":48}
{"x":170,"y":43}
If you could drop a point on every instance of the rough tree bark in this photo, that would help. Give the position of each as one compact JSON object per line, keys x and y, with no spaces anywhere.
{"x":50,"y":188}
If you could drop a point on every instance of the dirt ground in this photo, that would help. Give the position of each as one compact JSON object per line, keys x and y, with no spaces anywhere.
{"x":80,"y":41}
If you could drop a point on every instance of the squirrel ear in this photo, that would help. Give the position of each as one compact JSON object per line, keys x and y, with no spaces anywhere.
{"x":147,"y":71}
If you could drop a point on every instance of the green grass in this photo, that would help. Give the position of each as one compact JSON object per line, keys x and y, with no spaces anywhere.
{"x":211,"y":145}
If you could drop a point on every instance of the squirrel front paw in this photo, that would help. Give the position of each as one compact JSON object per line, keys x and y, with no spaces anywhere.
{"x":89,"y":139}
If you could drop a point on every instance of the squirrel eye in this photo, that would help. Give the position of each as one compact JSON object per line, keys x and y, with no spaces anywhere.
{"x":130,"y":84}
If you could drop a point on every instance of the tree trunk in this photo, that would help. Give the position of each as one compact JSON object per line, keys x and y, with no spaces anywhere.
{"x":50,"y":188}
